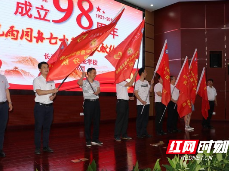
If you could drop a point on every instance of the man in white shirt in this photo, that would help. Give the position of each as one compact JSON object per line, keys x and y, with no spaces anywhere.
{"x":122,"y":109}
{"x":5,"y":105}
{"x":91,"y":90}
{"x":45,"y":93}
{"x":172,"y":108}
{"x":212,"y":102}
{"x":159,"y":107}
{"x":142,"y":89}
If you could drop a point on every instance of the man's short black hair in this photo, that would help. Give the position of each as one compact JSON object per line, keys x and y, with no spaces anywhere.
{"x":140,"y":71}
{"x":158,"y":77}
{"x":210,"y":79}
{"x":41,"y":63}
{"x":171,"y":77}
{"x":90,"y":69}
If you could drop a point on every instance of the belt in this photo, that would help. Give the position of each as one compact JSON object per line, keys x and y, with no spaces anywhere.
{"x":2,"y":102}
{"x":90,"y":100}
{"x":46,"y":105}
{"x":120,"y":100}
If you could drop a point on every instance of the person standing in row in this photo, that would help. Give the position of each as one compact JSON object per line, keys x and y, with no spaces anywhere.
{"x":122,"y":109}
{"x":91,"y":90}
{"x":159,"y":107}
{"x":172,"y":108}
{"x":212,"y":103}
{"x":142,"y":89}
{"x":45,"y":93}
{"x":5,"y":105}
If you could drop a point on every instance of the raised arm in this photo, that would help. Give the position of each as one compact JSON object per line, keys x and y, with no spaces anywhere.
{"x":129,"y":84}
{"x":80,"y":81}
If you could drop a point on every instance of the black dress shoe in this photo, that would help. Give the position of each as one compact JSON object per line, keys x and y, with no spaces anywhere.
{"x":37,"y":151}
{"x":48,"y":149}
{"x":2,"y":154}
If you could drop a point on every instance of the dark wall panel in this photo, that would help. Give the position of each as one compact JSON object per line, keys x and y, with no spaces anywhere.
{"x":167,"y":19}
{"x":227,"y":14}
{"x":190,"y":24}
{"x":193,"y":16}
{"x":215,"y":14}
{"x":215,"y":42}
{"x":192,"y":39}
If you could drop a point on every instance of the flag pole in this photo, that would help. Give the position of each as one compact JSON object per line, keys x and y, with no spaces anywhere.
{"x":87,"y":79}
{"x":148,"y":92}
{"x":198,"y":86}
{"x":166,"y":107}
{"x":192,"y":58}
{"x":137,"y":65}
{"x":62,"y":82}
{"x":136,"y":77}
{"x":158,"y":63}
{"x":174,"y":86}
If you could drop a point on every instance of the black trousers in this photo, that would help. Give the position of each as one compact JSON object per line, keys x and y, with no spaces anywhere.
{"x":207,"y":122}
{"x":172,"y":116}
{"x":159,"y":108}
{"x":3,"y":121}
{"x":43,"y":118}
{"x":142,"y":120}
{"x":121,"y":123}
{"x":91,"y":114}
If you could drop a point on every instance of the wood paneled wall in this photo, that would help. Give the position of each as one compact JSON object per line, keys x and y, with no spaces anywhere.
{"x":149,"y":51}
{"x":201,"y":25}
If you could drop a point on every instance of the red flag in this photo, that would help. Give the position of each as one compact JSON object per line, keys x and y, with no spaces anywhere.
{"x":79,"y":49}
{"x":162,"y":69}
{"x":182,"y":84}
{"x":58,"y":53}
{"x":202,"y":92}
{"x":193,"y":76}
{"x":123,"y":57}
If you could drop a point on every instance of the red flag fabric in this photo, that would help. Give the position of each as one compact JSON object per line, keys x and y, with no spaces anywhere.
{"x":202,"y":92}
{"x":58,"y":53}
{"x":162,"y":69}
{"x":193,"y":76}
{"x":182,"y":84}
{"x":123,"y":57}
{"x":79,"y":49}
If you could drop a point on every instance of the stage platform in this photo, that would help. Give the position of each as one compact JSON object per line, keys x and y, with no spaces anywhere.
{"x":68,"y":144}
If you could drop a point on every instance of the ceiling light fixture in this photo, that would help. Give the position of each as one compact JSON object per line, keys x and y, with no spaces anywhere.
{"x":151,"y":5}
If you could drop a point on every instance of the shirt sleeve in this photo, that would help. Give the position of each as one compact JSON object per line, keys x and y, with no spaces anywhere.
{"x":137,"y":85}
{"x":156,"y":88}
{"x":97,"y":83}
{"x":84,"y":84}
{"x":123,"y":83}
{"x":6,"y":83}
{"x":36,"y":85}
{"x":215,"y":93}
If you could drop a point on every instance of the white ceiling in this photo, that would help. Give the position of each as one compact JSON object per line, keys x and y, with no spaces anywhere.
{"x":157,"y":4}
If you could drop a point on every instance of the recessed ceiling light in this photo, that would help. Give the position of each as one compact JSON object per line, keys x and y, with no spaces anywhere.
{"x":151,"y":5}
